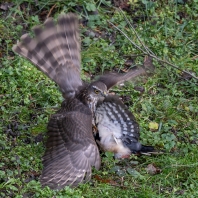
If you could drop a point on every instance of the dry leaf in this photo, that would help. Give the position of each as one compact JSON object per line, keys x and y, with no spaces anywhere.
{"x":6,"y":6}
{"x":153,"y":126}
{"x":152,"y":169}
{"x":106,"y":181}
{"x":148,"y":64}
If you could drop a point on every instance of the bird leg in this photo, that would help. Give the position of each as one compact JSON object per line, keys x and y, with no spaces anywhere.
{"x":94,"y":129}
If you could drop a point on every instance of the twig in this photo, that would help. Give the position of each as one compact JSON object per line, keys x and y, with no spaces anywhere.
{"x":182,"y":165}
{"x":127,"y":38}
{"x":117,"y":91}
{"x":147,"y":51}
{"x":51,"y":10}
{"x":134,"y":30}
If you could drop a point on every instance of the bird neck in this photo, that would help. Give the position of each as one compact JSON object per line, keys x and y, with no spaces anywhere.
{"x":88,"y":100}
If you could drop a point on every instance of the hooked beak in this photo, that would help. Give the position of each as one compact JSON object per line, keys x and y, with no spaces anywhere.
{"x":105,"y":94}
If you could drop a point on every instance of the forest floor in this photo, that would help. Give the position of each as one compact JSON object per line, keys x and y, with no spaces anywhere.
{"x":164,"y":103}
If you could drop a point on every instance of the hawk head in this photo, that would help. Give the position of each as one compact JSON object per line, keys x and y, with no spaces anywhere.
{"x":96,"y":91}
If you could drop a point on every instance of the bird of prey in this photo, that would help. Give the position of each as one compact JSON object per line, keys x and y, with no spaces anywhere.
{"x":71,"y":150}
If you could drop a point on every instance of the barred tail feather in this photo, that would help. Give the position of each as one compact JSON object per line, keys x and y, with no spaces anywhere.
{"x":55,"y":50}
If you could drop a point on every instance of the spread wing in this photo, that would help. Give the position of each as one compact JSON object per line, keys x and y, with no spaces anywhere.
{"x":111,"y":79}
{"x":55,"y":50}
{"x":71,"y":150}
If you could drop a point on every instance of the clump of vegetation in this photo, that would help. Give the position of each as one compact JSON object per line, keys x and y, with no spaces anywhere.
{"x":166,"y":109}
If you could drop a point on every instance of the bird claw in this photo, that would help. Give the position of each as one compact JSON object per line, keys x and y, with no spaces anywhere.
{"x":94,"y":129}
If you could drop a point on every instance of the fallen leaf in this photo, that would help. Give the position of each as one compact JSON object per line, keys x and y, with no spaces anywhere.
{"x":124,"y":4}
{"x":187,"y":76}
{"x":148,"y":64}
{"x":153,"y":126}
{"x":152,"y":169}
{"x":6,"y":6}
{"x":106,"y":181}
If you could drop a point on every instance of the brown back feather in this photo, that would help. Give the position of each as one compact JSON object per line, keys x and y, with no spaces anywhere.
{"x":70,"y":149}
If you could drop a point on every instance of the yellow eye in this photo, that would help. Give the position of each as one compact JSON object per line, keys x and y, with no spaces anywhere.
{"x":96,"y":91}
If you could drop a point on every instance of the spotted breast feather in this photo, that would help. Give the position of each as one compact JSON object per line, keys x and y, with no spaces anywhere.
{"x":117,"y":129}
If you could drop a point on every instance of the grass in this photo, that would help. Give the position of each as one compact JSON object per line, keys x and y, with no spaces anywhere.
{"x":28,"y":98}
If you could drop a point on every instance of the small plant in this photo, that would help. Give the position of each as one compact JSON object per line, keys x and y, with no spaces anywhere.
{"x":166,"y":109}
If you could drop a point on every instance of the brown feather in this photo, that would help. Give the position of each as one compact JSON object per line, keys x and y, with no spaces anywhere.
{"x":112,"y":79}
{"x":70,"y":149}
{"x":55,"y":50}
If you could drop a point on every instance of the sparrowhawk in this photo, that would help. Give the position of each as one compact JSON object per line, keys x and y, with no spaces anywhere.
{"x":71,"y":150}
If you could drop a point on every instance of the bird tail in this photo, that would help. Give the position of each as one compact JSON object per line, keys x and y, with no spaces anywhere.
{"x":147,"y":149}
{"x":55,"y":50}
